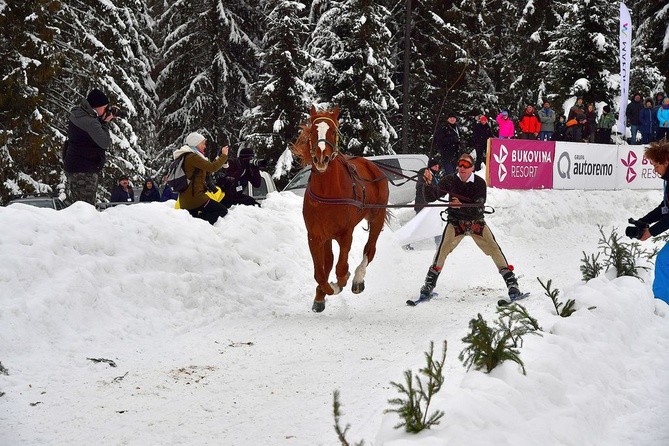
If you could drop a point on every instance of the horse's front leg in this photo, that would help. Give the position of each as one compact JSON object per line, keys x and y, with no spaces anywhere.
{"x":321,"y":254}
{"x":341,"y":269}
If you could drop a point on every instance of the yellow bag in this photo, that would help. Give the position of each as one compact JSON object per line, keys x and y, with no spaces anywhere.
{"x":217,"y":196}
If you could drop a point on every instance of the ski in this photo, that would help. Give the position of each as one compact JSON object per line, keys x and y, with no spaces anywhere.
{"x":422,"y":298}
{"x":509,"y":301}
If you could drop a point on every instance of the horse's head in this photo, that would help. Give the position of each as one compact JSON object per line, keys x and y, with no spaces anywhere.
{"x":323,"y":137}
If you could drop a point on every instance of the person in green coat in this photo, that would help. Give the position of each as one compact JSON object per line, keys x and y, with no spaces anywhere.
{"x":604,"y":124}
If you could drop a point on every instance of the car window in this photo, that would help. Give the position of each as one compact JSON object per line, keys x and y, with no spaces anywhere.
{"x":299,"y":181}
{"x":391,"y":167}
{"x":262,"y":190}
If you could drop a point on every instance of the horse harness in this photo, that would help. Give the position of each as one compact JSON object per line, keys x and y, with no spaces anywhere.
{"x":358,"y":183}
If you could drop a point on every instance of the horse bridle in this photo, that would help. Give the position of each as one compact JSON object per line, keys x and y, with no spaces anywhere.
{"x":334,"y":147}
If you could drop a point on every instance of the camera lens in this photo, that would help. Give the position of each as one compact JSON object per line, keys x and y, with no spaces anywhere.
{"x":632,"y":232}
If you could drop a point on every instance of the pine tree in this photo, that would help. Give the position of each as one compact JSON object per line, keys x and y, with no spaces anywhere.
{"x":107,"y":46}
{"x":352,"y":69}
{"x":28,"y":157}
{"x":650,"y":28}
{"x":433,"y":73}
{"x":583,"y":51}
{"x":280,"y":97}
{"x":208,"y":61}
{"x":535,"y":19}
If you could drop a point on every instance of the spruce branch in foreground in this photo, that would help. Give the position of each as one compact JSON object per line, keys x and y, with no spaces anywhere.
{"x":516,"y":320}
{"x":341,"y":434}
{"x":489,"y":346}
{"x":562,"y":309}
{"x":413,"y":407}
{"x":590,"y":267}
{"x":622,"y":256}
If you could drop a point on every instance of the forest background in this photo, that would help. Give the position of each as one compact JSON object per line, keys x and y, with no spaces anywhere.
{"x":247,"y":72}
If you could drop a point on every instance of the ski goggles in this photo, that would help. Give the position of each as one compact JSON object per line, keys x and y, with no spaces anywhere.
{"x":465,"y":164}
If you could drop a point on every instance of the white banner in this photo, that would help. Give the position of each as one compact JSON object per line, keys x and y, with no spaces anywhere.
{"x":634,"y":171}
{"x":625,"y":63}
{"x":584,"y":166}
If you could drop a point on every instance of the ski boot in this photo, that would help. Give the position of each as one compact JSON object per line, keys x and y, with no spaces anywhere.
{"x":511,"y":282}
{"x":430,"y":281}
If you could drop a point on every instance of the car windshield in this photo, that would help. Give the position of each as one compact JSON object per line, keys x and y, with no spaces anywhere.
{"x":40,"y":203}
{"x":299,"y":181}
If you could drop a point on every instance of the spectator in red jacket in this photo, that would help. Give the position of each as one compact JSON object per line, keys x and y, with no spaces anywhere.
{"x":529,"y":124}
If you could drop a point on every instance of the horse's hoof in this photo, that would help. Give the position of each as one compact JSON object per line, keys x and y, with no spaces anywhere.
{"x":318,"y":306}
{"x":358,"y":288}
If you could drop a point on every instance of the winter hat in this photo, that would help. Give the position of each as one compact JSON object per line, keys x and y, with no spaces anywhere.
{"x":433,"y":161}
{"x":123,"y":177}
{"x":194,"y":139}
{"x":97,"y":98}
{"x":505,"y":112}
{"x":483,"y":120}
{"x":450,"y":115}
{"x":606,"y":109}
{"x":581,"y":117}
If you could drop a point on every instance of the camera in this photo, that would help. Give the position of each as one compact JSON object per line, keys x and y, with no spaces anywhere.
{"x":637,"y":230}
{"x":116,"y":112}
{"x":258,"y":162}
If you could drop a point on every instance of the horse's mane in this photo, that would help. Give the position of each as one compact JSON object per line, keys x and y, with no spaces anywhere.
{"x":301,"y":149}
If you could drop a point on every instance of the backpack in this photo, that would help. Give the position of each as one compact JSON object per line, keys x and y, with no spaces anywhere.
{"x":176,"y":176}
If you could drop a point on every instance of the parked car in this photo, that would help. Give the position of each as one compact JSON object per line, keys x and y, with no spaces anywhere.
{"x":40,"y":202}
{"x":400,"y":169}
{"x":267,"y":186}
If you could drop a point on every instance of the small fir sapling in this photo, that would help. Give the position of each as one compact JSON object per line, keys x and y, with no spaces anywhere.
{"x":413,"y":406}
{"x":562,"y":309}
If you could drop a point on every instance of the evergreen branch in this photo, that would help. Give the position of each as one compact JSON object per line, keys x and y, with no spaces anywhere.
{"x":413,"y":417}
{"x":561,"y":309}
{"x":341,"y":433}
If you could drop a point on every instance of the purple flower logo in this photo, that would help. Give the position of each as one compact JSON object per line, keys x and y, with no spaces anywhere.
{"x":629,"y":163}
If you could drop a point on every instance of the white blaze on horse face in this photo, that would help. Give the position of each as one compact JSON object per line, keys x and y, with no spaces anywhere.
{"x":322,"y":128}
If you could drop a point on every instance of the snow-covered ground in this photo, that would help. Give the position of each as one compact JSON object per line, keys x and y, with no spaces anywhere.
{"x":214,"y":341}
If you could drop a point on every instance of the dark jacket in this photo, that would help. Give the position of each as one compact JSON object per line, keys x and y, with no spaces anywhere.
{"x":88,"y":139}
{"x":576,"y":132}
{"x":480,"y":135}
{"x":447,"y":143}
{"x":467,"y":192}
{"x":118,"y":195}
{"x":656,"y":216}
{"x":648,"y":121}
{"x":168,"y":194}
{"x":149,"y":194}
{"x":421,"y":186}
{"x":632,"y":112}
{"x":235,"y":178}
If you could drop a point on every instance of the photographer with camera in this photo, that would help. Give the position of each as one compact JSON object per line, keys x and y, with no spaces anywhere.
{"x":88,"y":139}
{"x":658,"y":155}
{"x":241,"y":171}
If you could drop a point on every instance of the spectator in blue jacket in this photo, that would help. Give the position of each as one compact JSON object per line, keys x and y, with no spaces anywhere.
{"x":149,"y":191}
{"x":168,"y":193}
{"x":648,"y":122}
{"x":663,"y":119}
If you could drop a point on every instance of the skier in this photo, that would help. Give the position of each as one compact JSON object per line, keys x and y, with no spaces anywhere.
{"x":468,"y":189}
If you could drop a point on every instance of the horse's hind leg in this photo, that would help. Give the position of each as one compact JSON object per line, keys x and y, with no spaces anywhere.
{"x":376,"y":222}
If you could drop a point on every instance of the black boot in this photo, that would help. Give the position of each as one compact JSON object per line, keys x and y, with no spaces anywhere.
{"x":430,"y":281}
{"x":511,"y":281}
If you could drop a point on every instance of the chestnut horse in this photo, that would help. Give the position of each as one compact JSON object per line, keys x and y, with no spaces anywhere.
{"x":342,"y":190}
